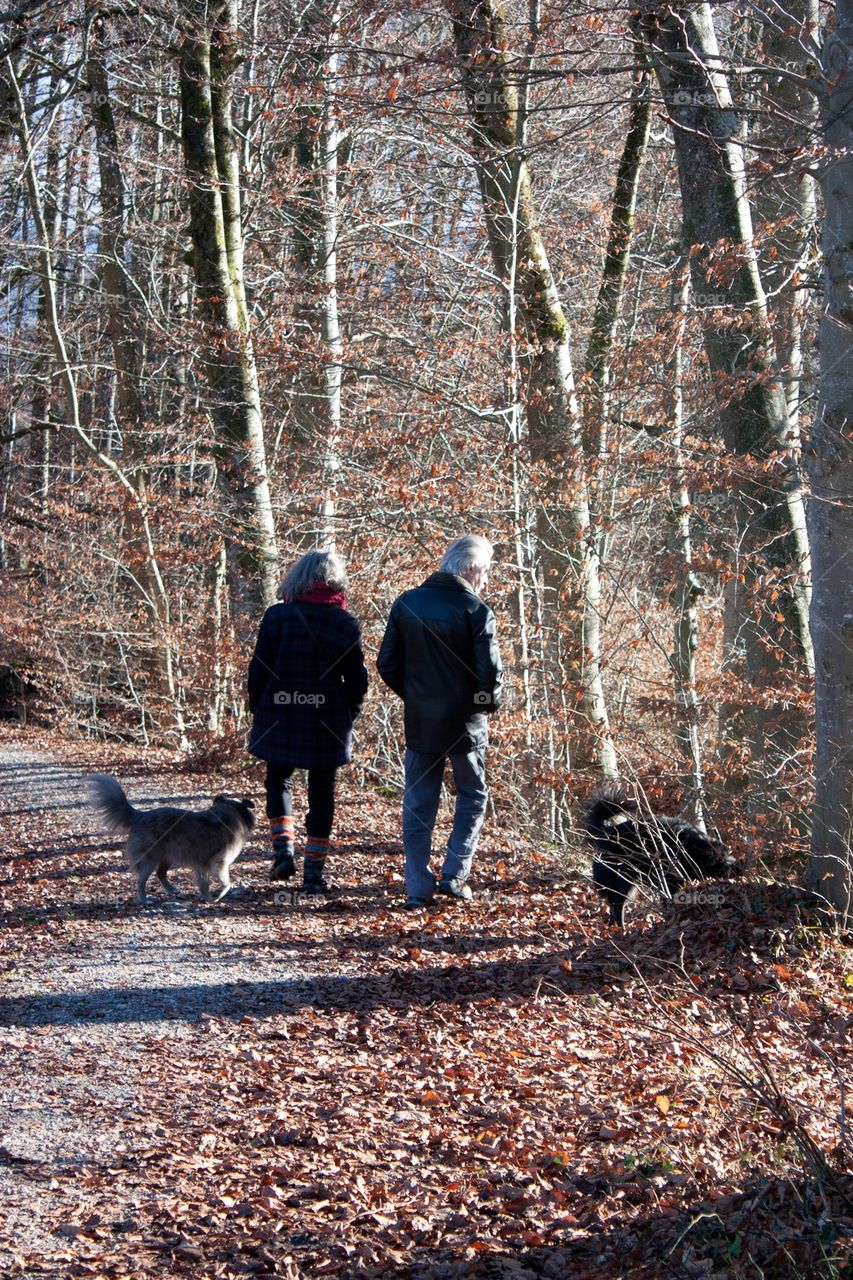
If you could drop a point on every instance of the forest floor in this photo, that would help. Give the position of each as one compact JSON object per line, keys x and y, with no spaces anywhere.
{"x":273,"y":1088}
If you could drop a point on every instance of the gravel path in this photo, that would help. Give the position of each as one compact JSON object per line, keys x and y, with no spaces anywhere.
{"x":82,"y":1009}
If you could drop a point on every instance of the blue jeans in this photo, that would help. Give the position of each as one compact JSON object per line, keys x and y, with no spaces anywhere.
{"x":424,"y":773}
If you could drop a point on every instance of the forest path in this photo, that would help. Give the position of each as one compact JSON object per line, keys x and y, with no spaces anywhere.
{"x":102,"y":986}
{"x":283,"y":1090}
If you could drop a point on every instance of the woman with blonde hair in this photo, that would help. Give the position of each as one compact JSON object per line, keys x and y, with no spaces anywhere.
{"x":307,"y":681}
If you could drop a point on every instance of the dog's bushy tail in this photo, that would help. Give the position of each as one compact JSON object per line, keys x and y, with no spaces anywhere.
{"x":608,"y":799}
{"x":107,"y":796}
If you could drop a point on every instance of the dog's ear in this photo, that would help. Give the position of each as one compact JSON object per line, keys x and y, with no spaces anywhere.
{"x":248,"y":802}
{"x":219,"y":799}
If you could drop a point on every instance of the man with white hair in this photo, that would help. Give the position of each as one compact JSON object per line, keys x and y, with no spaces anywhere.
{"x":440,"y":654}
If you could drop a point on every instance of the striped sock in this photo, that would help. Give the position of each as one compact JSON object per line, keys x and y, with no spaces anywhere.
{"x":317,"y":848}
{"x":281,"y":831}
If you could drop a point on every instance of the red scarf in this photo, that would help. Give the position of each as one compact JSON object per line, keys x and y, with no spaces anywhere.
{"x":322,"y":593}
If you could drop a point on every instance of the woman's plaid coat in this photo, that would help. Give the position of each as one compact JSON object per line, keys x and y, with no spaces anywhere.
{"x":307,"y":681}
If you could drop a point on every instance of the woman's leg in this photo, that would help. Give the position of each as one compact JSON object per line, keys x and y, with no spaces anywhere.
{"x":279,"y":789}
{"x":318,"y":826}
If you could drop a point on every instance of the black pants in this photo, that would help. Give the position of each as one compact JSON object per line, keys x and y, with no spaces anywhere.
{"x":321,"y":797}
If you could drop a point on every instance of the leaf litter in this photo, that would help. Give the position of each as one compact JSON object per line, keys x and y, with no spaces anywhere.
{"x":263,"y":1088}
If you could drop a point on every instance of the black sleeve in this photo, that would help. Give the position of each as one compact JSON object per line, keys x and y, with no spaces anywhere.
{"x":487,"y":660}
{"x":354,"y":674}
{"x":262,"y":665}
{"x":390,"y":662}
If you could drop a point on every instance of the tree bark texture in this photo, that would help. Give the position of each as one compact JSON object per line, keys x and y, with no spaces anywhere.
{"x":770,"y":545}
{"x":208,"y":61}
{"x":129,"y":368}
{"x":316,"y":149}
{"x":566,"y":546}
{"x":829,"y":457}
{"x":690,"y":589}
{"x":611,"y":291}
{"x":786,"y":206}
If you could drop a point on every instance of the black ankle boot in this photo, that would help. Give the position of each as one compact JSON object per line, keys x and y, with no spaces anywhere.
{"x":283,"y":865}
{"x":312,"y":876}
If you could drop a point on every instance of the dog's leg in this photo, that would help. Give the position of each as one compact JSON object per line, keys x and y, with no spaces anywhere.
{"x":143,"y":871}
{"x":202,"y":880}
{"x":163,"y":877}
{"x":613,"y":884}
{"x":225,"y":877}
{"x":617,"y":909}
{"x":221,"y":868}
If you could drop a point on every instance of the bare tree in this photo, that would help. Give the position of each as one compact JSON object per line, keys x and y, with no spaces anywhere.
{"x":208,"y":62}
{"x":315,"y":219}
{"x":149,"y":583}
{"x":128,"y":357}
{"x":769,"y":526}
{"x":553,"y":418}
{"x":611,"y":292}
{"x":830,"y":462}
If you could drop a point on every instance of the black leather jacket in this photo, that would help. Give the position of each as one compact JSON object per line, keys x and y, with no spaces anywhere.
{"x":440,"y":654}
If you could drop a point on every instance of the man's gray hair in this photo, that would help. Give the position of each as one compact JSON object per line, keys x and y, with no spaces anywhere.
{"x":469,"y":552}
{"x":314,"y":566}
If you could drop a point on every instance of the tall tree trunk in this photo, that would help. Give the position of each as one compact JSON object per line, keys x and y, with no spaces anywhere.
{"x":208,"y":60}
{"x":787,"y":201}
{"x":770,"y":544}
{"x":306,"y":220}
{"x":129,"y":362}
{"x":7,"y":463}
{"x":569,"y":558}
{"x":112,"y":256}
{"x":611,"y":290}
{"x":830,"y":462}
{"x":40,"y":446}
{"x":316,"y":148}
{"x":528,"y":596}
{"x":333,"y":363}
{"x":690,"y":589}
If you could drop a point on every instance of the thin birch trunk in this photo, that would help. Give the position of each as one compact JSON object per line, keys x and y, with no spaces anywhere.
{"x":525,"y":561}
{"x":316,"y":149}
{"x":790,"y":42}
{"x":42,"y":399}
{"x":7,"y":463}
{"x":686,"y":628}
{"x":333,"y":364}
{"x":216,"y":707}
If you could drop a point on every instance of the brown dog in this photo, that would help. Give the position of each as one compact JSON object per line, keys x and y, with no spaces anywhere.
{"x":160,"y":839}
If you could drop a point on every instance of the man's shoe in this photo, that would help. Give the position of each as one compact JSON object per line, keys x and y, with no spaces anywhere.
{"x":283,"y":867}
{"x":417,"y":904}
{"x":455,"y":889}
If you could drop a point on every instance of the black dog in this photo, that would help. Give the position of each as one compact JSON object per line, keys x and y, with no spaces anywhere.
{"x":634,"y":848}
